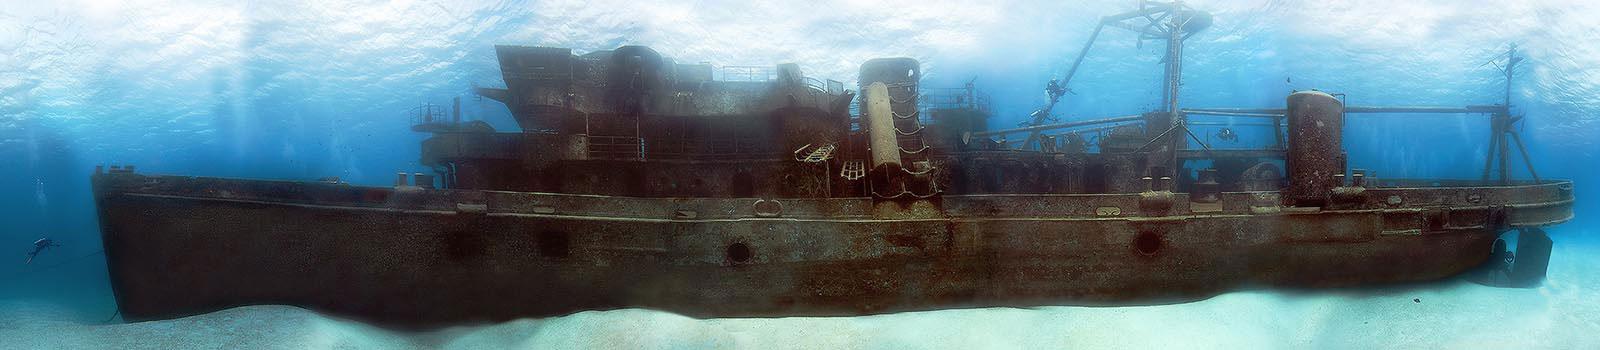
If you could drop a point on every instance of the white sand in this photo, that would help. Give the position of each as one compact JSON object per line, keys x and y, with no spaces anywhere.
{"x":1563,"y":314}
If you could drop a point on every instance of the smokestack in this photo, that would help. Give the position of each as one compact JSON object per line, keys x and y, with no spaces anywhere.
{"x":455,"y":110}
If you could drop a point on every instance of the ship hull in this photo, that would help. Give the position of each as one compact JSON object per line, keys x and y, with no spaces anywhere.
{"x":180,"y":246}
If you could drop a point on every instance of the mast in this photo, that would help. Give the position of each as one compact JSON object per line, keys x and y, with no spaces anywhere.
{"x":1501,"y":132}
{"x":1174,"y":65}
{"x":1170,"y":21}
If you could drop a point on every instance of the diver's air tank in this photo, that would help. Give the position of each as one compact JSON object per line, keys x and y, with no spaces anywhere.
{"x":1316,"y":123}
{"x":880,"y":126}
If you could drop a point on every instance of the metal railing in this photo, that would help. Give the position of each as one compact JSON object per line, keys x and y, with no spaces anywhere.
{"x":825,"y":85}
{"x":954,"y":98}
{"x":745,"y":73}
{"x":768,"y":73}
{"x":720,"y":147}
{"x":1058,"y":126}
{"x":626,"y":147}
{"x":429,"y":114}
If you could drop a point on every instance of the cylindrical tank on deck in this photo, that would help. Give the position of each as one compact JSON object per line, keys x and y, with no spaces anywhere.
{"x":424,"y":181}
{"x":900,"y":75}
{"x":879,"y":116}
{"x":890,"y":70}
{"x":1316,"y":123}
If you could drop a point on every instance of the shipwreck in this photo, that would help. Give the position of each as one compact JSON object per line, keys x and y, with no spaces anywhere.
{"x":729,"y":191}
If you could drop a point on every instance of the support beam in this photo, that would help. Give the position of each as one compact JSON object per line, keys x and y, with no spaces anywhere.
{"x":1231,"y":153}
{"x":1525,"y":159}
{"x":1273,"y":112}
{"x":1056,"y":126}
{"x":1277,"y":132}
{"x":1488,"y":159}
{"x":1152,"y":8}
{"x":1231,"y":114}
{"x":1222,"y":124}
{"x":1174,"y":69}
{"x":1505,"y":172}
{"x":1085,"y":52}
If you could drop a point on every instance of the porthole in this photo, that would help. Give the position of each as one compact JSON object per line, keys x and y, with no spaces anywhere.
{"x":1148,"y":243}
{"x":739,"y":253}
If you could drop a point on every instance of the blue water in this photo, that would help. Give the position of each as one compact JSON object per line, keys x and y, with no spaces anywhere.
{"x":306,"y":89}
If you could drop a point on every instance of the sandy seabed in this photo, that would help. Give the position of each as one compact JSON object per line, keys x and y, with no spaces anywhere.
{"x":1562,"y":314}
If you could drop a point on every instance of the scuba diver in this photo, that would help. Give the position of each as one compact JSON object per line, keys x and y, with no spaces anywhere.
{"x":39,"y":246}
{"x":1053,"y":90}
{"x":1227,"y":135}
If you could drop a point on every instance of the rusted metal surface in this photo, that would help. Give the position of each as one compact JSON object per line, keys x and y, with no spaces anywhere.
{"x":640,"y":182}
{"x":880,"y":126}
{"x":1316,"y":153}
{"x":1278,"y":112}
{"x":180,"y":246}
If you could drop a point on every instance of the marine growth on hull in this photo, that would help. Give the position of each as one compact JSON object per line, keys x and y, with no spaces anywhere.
{"x":638,"y":181}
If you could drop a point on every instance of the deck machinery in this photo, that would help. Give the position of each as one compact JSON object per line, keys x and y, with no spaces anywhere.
{"x":638,"y":181}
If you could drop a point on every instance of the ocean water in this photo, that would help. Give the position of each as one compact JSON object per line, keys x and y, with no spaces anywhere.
{"x":306,"y":89}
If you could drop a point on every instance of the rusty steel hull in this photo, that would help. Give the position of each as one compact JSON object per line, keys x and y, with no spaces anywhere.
{"x":179,"y":246}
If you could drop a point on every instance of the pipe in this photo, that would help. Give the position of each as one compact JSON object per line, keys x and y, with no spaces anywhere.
{"x":880,"y":125}
{"x":1085,"y":52}
{"x":1174,"y":68}
{"x":1229,"y":124}
{"x":1060,"y":125}
{"x":1270,"y":112}
{"x":1231,"y":114}
{"x":1525,"y":159}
